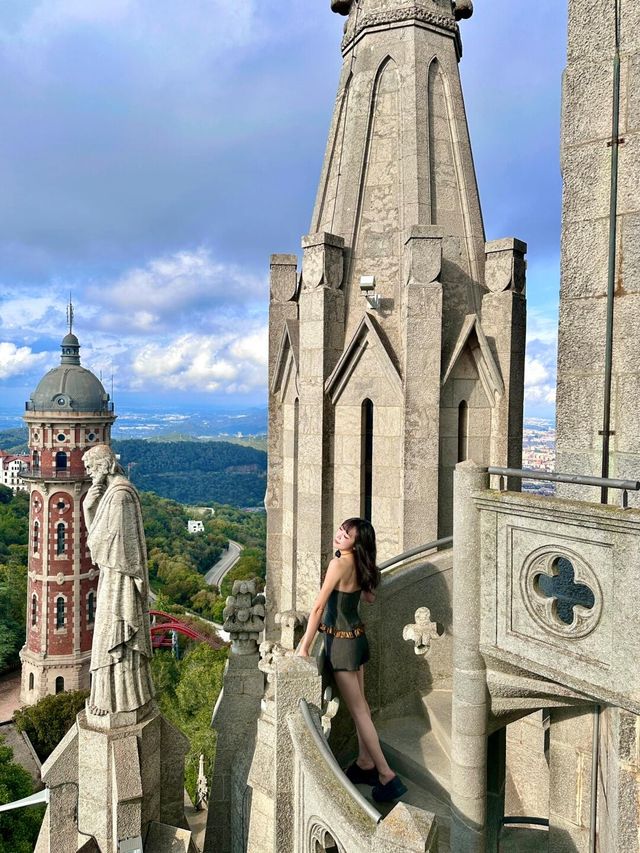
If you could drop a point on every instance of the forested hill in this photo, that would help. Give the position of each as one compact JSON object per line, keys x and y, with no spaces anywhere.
{"x":195,"y":472}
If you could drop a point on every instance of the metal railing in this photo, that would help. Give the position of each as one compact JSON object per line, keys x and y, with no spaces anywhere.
{"x":32,"y":800}
{"x":329,"y":758}
{"x":625,"y":486}
{"x":30,"y":406}
{"x":39,"y":473}
{"x":415,"y":552}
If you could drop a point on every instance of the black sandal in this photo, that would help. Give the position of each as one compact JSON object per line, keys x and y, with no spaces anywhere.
{"x":392,"y":790}
{"x":359,"y":776}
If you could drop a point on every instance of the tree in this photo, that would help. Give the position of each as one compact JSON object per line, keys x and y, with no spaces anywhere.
{"x":48,"y":721}
{"x":18,"y":829}
{"x":189,"y":702}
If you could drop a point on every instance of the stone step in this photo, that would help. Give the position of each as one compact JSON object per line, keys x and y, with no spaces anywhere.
{"x":413,"y":750}
{"x":418,"y":796}
{"x":437,"y":710}
{"x":522,"y":839}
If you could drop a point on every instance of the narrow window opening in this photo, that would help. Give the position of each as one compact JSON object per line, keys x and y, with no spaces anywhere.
{"x":90,"y":607}
{"x":60,"y":538}
{"x":59,"y":684}
{"x":61,"y":460}
{"x":366,"y":459}
{"x":60,"y":612}
{"x":36,"y":536}
{"x":463,"y":431}
{"x":31,"y":681}
{"x":34,"y":609}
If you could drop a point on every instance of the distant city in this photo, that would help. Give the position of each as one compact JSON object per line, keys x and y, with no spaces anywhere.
{"x":539,"y":452}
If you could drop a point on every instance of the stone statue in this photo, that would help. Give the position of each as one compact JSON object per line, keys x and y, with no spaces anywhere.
{"x":121,"y":650}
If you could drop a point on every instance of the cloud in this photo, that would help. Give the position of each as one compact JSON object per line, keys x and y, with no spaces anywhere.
{"x":232,"y":364}
{"x":540,"y":363}
{"x":184,"y":289}
{"x":16,"y":361}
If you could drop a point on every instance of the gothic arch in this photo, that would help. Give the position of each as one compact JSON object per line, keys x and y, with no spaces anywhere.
{"x":321,"y":839}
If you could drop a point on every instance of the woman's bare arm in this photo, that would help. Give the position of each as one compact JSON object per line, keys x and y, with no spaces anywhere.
{"x":331,"y":580}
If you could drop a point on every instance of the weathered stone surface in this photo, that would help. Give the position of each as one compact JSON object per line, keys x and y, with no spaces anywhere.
{"x":111,"y":784}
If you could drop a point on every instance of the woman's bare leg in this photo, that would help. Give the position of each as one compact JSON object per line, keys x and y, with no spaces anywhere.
{"x":351,"y":691}
{"x":364,"y":759}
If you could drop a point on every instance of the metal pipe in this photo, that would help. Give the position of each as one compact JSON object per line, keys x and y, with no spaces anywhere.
{"x":579,"y":479}
{"x":420,"y":549}
{"x":608,"y":371}
{"x":611,"y":271}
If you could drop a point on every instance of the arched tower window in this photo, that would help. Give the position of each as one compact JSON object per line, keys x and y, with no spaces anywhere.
{"x":31,"y":681}
{"x":36,"y":536}
{"x":463,"y":431}
{"x":35,"y":460}
{"x":60,"y":608}
{"x":61,"y":460}
{"x":34,"y":609}
{"x":366,"y":459}
{"x":59,"y":684}
{"x":60,"y":538}
{"x":91,"y":607}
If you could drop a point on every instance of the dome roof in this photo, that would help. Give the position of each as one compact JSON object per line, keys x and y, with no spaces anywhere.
{"x":70,"y":387}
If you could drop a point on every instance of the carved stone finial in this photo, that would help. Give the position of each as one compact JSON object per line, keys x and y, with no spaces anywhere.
{"x":422,"y":632}
{"x":244,"y":617}
{"x":462,"y":9}
{"x":292,"y":626}
{"x":202,"y":787}
{"x":330,"y":707}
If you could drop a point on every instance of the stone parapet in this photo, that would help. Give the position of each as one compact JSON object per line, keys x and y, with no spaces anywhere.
{"x":329,"y":812}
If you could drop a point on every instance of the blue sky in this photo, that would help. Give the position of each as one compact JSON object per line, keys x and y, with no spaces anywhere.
{"x":155,"y":153}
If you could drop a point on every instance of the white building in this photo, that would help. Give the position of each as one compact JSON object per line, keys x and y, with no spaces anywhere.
{"x":11,"y":467}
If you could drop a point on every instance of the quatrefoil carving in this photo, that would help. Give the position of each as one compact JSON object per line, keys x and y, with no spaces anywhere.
{"x":561,"y":592}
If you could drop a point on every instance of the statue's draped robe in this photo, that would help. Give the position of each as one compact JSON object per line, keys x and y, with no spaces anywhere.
{"x":121,"y":651}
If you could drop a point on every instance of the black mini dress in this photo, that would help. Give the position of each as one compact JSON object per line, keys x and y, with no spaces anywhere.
{"x":345,"y":643}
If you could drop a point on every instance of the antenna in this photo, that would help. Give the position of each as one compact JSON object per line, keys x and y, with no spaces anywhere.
{"x":70,"y":314}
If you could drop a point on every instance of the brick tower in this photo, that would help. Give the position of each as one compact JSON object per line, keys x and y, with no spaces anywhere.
{"x":68,"y":412}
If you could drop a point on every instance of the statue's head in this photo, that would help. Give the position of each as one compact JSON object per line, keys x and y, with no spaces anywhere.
{"x":342,"y":7}
{"x":101,"y":460}
{"x":462,"y":9}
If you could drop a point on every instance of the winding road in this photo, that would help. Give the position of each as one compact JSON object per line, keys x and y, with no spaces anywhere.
{"x":228,"y":560}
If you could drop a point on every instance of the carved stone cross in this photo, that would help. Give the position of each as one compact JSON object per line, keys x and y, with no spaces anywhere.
{"x":422,"y":632}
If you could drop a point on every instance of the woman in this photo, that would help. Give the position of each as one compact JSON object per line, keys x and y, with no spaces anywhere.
{"x":352,"y":574}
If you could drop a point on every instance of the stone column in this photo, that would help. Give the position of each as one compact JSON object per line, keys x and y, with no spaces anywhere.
{"x":422,"y":322}
{"x":117,"y":783}
{"x":235,"y":715}
{"x":321,"y":342}
{"x":282,"y":307}
{"x":496,"y":780}
{"x":469,"y":729}
{"x":570,"y":740}
{"x":619,"y":774}
{"x":504,"y":320}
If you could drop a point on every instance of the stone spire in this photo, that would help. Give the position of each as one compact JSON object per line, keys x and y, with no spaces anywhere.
{"x":385,"y":367}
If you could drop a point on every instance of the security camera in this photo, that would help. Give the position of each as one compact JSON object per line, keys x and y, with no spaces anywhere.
{"x":367,"y":286}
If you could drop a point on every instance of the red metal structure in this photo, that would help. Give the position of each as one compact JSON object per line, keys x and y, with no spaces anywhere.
{"x":163,"y":623}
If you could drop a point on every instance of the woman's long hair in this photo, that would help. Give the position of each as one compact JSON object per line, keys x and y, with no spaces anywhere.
{"x":364,"y":552}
